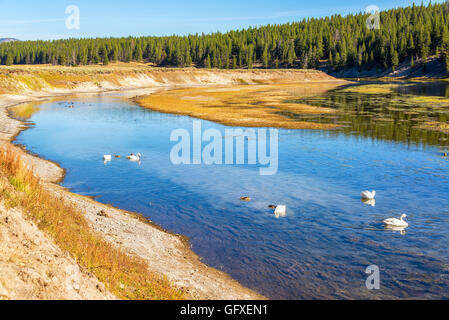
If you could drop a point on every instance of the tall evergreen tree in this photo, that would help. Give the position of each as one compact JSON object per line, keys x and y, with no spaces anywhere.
{"x":414,"y":32}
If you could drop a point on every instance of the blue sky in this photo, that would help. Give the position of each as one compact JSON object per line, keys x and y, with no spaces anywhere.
{"x":30,"y":20}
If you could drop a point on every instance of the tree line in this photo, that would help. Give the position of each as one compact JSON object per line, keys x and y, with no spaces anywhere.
{"x":412,"y":33}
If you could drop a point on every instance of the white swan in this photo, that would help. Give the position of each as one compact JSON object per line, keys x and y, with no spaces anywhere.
{"x":134,"y":157}
{"x":280,"y":211}
{"x":393,"y":222}
{"x":107,"y":157}
{"x":368,"y":195}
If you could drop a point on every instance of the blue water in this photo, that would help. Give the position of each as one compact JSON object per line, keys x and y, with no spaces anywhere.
{"x":319,"y":250}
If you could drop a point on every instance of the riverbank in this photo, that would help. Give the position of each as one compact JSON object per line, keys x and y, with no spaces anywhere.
{"x":41,"y":80}
{"x":166,"y":255}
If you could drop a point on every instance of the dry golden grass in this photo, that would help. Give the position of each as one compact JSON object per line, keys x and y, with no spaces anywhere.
{"x":82,"y":70}
{"x":125,"y":276}
{"x":248,"y":106}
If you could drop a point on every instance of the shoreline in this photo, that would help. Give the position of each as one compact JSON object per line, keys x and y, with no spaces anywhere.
{"x":164,"y":252}
{"x":157,"y":246}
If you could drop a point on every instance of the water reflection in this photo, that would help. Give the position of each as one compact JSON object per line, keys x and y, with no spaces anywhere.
{"x":392,"y":116}
{"x":430,"y":88}
{"x":396,"y":228}
{"x":369,"y":202}
{"x":25,"y":111}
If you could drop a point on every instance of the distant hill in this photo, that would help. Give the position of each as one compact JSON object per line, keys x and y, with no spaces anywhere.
{"x":2,"y":40}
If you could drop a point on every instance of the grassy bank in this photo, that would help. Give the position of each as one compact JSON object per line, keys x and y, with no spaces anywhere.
{"x":247,"y":106}
{"x":126,"y":276}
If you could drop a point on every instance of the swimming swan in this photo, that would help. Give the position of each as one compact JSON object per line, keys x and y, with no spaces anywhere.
{"x":393,"y":222}
{"x":280,"y":211}
{"x":368,"y":195}
{"x":134,"y":157}
{"x":107,"y":157}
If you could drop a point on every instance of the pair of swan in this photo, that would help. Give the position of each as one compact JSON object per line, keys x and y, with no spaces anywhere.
{"x":131,"y":157}
{"x":390,"y":223}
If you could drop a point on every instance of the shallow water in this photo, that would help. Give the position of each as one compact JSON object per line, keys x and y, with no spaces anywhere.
{"x":319,"y":250}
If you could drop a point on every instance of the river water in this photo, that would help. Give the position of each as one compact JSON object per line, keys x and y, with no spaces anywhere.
{"x":322,"y":247}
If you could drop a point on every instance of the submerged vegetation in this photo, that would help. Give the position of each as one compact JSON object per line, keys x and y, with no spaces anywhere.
{"x":125,"y":276}
{"x":411,"y":33}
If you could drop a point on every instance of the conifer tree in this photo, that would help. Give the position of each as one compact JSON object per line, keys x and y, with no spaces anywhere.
{"x":414,"y":32}
{"x":207,"y":64}
{"x":9,"y":59}
{"x":394,"y":58}
{"x":105,"y":58}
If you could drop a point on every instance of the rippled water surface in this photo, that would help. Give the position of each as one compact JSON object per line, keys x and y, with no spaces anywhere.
{"x":320,"y":249}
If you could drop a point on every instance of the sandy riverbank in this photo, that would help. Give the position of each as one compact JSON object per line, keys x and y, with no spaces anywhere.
{"x":165,"y":253}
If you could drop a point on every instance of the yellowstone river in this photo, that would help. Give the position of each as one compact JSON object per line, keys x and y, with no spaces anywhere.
{"x":327,"y":239}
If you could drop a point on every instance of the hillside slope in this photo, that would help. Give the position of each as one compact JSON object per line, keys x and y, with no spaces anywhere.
{"x":50,"y":80}
{"x":33,"y":267}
